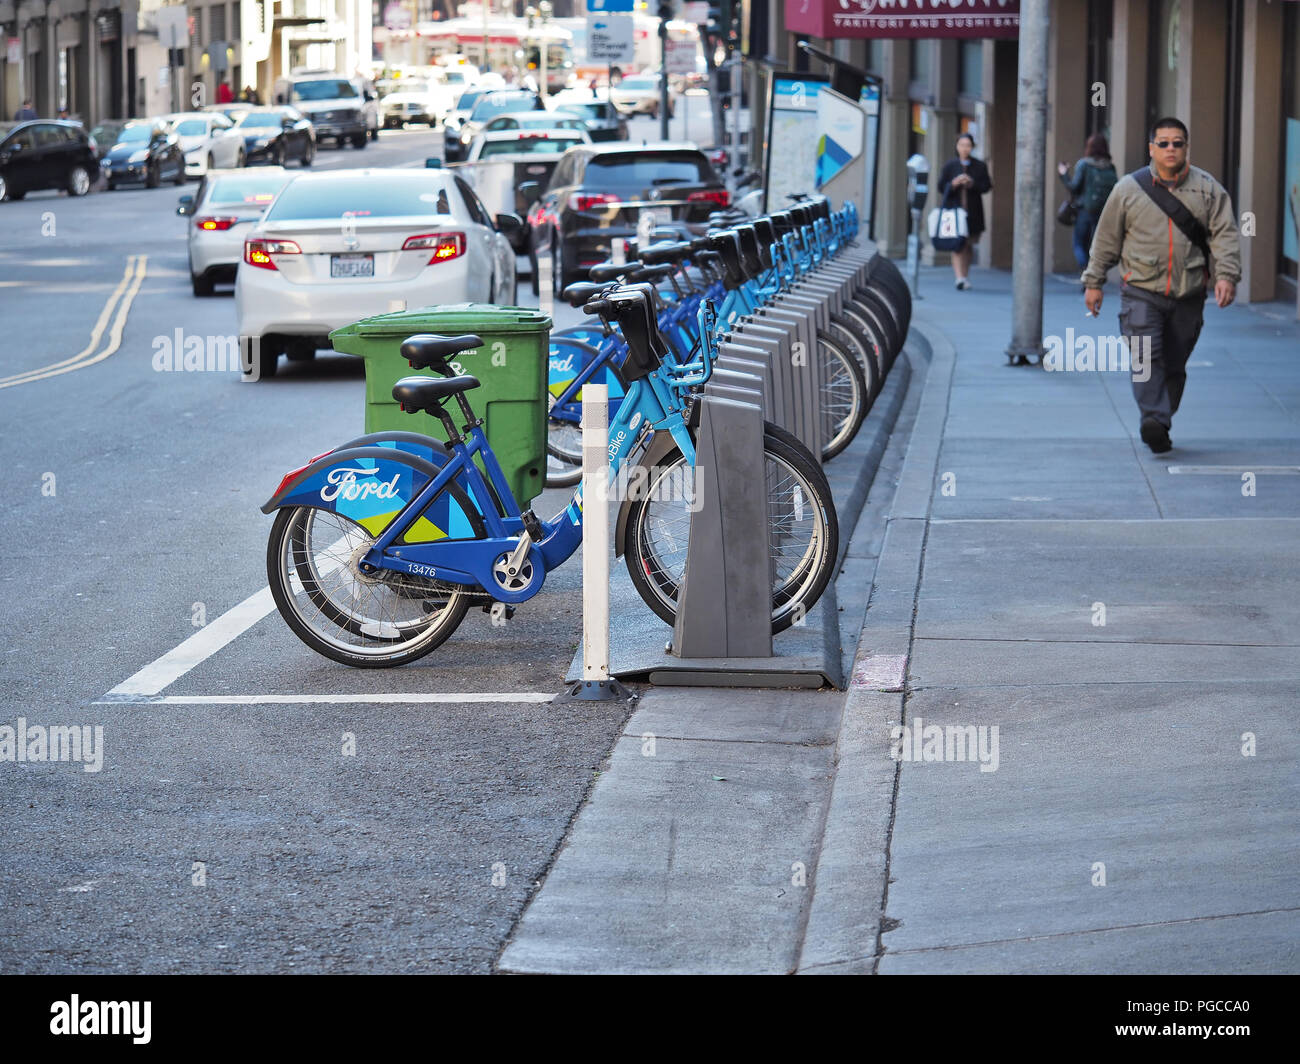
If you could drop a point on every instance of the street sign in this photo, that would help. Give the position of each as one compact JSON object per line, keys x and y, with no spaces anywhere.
{"x":679,"y":55}
{"x":605,"y":7}
{"x":610,"y":39}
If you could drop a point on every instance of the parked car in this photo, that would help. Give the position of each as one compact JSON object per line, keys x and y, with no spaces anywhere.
{"x":411,"y":101}
{"x":453,"y":120}
{"x":502,"y":160}
{"x":208,"y":140}
{"x":146,"y":150}
{"x":230,"y":110}
{"x":225,"y":207}
{"x":276,"y":135}
{"x":421,"y":236}
{"x":638,"y":94}
{"x":456,"y":141}
{"x":39,"y":155}
{"x":338,"y":108}
{"x":603,"y":120}
{"x":103,"y":137}
{"x":597,"y":193}
{"x":536,"y":121}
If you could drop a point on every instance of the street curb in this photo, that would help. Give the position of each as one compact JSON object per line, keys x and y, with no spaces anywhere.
{"x":850,"y":883}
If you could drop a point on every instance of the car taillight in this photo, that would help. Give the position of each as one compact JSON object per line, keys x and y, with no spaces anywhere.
{"x":445,"y":246}
{"x":588,"y":201}
{"x":211,"y":224}
{"x":259,"y":252}
{"x":720,"y":196}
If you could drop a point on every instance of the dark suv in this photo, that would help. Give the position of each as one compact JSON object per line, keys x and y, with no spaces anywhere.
{"x":598,"y":191}
{"x":37,"y":155}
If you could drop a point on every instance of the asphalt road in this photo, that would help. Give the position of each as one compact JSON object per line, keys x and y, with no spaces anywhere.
{"x":235,"y":836}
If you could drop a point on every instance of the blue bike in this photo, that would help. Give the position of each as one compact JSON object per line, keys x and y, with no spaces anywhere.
{"x":380,"y":547}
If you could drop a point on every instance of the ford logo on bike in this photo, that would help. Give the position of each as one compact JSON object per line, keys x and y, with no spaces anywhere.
{"x":343,"y":484}
{"x":562,"y":365}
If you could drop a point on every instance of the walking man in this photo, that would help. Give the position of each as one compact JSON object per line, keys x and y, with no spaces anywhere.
{"x":25,"y":112}
{"x":1171,"y":229}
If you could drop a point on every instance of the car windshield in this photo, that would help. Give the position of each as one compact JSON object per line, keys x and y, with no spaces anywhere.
{"x":468,"y":99}
{"x":454,"y":77}
{"x":327,"y":89}
{"x":105,"y":131}
{"x":531,"y":144}
{"x":410,"y":85}
{"x":260,"y":119}
{"x":587,"y":110}
{"x":136,"y":131}
{"x":359,"y":197}
{"x":253,"y":190}
{"x":499,"y":103}
{"x":646,"y":169}
{"x":638,"y":83}
{"x":192,"y":127}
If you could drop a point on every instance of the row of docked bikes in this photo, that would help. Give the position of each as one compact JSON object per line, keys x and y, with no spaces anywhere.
{"x":380,"y":547}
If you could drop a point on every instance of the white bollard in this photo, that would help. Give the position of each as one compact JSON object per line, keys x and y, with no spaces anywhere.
{"x":595,"y":533}
{"x":618,"y":250}
{"x":545,"y":284}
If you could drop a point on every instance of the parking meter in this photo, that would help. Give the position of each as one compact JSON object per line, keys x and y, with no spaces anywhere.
{"x":918,"y":189}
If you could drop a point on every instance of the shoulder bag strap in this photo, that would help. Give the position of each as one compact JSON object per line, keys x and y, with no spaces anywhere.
{"x":1176,"y":209}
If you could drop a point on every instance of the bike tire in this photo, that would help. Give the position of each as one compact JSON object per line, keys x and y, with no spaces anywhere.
{"x":802,"y":575}
{"x":871,"y":304}
{"x":883,"y":272}
{"x":841,"y":331}
{"x":844,"y":396}
{"x":390,"y":642}
{"x":867,"y":327}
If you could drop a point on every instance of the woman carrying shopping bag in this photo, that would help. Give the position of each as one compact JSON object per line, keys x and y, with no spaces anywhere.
{"x":962,"y":182}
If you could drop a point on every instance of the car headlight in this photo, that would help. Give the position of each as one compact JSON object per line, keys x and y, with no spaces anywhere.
{"x":139,"y":156}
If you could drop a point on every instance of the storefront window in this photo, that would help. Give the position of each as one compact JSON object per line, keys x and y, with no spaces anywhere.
{"x":1162,"y":68}
{"x":970,"y":69}
{"x":1290,"y":198}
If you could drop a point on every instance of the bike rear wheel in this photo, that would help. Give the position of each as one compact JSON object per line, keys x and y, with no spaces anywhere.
{"x":844,"y":397}
{"x":802,"y":528}
{"x":366,"y":620}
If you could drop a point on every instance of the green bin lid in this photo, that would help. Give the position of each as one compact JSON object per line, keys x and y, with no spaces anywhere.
{"x":450,"y":320}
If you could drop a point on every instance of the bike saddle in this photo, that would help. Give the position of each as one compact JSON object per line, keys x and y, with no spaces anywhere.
{"x":426,"y":351}
{"x":610,"y":271}
{"x":652,"y":273}
{"x":416,"y":394}
{"x":581,"y":292}
{"x":660,"y":253}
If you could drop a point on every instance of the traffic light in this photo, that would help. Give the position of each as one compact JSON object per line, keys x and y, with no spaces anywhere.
{"x":666,"y":10}
{"x":721,"y":24}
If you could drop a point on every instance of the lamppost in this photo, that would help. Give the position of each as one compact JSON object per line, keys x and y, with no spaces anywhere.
{"x":537,"y":19}
{"x":484,"y":5}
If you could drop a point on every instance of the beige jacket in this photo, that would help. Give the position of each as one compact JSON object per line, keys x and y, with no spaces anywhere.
{"x":1152,"y":252}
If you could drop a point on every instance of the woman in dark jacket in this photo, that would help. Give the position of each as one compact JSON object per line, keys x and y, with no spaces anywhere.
{"x":1093,"y":178}
{"x":968,"y":179}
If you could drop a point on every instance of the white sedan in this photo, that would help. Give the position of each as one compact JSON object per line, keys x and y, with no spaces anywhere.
{"x":338,"y":246}
{"x":640,"y":94}
{"x":208,"y":140}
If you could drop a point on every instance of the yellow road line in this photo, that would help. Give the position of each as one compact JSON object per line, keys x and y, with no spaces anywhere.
{"x":131,"y":281}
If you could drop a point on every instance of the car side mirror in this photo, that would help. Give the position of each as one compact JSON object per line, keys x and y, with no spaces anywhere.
{"x":531,"y":191}
{"x":509,"y":224}
{"x":186,"y":205}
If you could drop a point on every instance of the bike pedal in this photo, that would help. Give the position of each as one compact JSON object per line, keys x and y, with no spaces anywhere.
{"x":500,"y":607}
{"x":533,"y":526}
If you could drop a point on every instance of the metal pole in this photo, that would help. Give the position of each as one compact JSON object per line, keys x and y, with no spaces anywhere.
{"x":663,"y":79}
{"x":1031,"y":164}
{"x":544,"y":12}
{"x":485,"y":35}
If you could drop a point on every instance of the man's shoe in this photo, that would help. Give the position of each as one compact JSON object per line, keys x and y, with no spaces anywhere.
{"x":1155,"y":436}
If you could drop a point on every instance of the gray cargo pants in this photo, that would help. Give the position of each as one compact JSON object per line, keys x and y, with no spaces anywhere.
{"x":1173,"y":326}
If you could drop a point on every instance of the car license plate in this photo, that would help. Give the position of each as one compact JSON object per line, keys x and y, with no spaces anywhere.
{"x":352,"y":265}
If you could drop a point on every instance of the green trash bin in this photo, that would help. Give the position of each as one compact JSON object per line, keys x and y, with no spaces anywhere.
{"x":511,"y":367}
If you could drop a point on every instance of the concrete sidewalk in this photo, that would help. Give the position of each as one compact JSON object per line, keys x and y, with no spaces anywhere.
{"x":1128,"y":625}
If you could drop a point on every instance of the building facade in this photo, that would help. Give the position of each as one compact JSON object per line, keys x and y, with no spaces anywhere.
{"x":1230,"y":69}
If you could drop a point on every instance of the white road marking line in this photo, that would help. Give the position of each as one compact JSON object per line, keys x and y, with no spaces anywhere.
{"x":198,"y":647}
{"x":1237,"y":470}
{"x":333,"y":699}
{"x":131,"y":281}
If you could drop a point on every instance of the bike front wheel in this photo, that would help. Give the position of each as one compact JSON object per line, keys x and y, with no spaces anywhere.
{"x":366,"y":620}
{"x":802,"y":531}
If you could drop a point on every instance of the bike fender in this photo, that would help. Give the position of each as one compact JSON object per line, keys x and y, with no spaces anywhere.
{"x":371,"y":486}
{"x":661,"y":444}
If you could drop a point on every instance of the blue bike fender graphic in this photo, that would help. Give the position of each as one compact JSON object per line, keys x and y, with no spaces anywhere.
{"x":564,"y":365}
{"x":371,"y":486}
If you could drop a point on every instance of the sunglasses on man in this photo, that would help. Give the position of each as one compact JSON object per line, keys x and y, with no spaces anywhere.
{"x":1171,"y":143}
